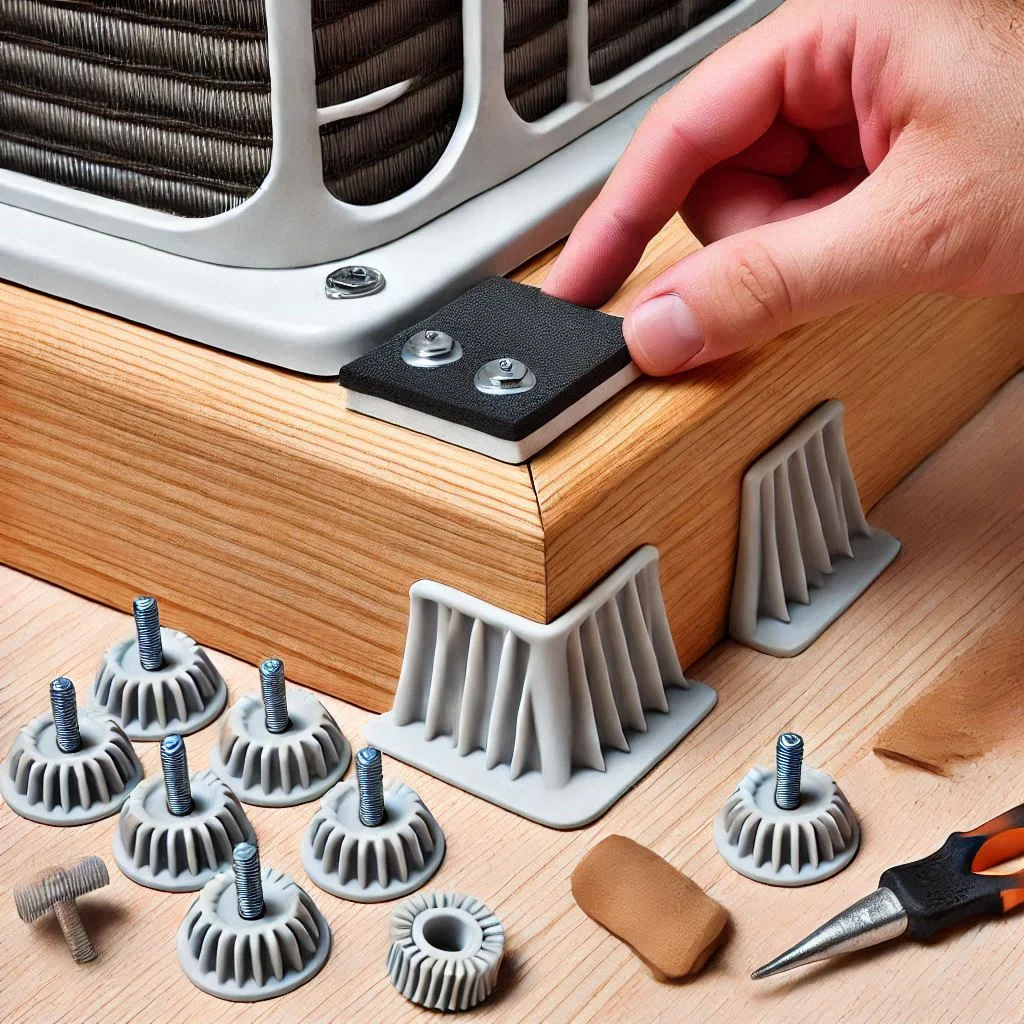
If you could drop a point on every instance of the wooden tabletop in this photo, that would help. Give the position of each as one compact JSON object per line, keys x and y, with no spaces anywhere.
{"x":962,"y":569}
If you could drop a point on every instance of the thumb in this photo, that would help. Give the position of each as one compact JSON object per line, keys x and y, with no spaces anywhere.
{"x":754,"y":285}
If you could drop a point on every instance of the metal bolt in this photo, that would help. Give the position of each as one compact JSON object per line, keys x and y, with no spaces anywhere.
{"x":789,"y":759}
{"x":431,"y":348}
{"x":353,"y":282}
{"x":147,"y":629}
{"x":65,"y":714}
{"x":275,"y":703}
{"x":504,"y":376}
{"x":57,"y":891}
{"x":370,"y":779}
{"x":248,"y":881}
{"x":176,"y":781}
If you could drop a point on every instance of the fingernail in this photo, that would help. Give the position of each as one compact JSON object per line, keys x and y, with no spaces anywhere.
{"x":663,"y":334}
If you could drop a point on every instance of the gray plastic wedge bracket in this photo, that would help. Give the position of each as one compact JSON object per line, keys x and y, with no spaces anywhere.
{"x":806,"y":551}
{"x":788,"y":848}
{"x":446,"y":951}
{"x":43,"y":783}
{"x":552,"y":721}
{"x":182,"y":696}
{"x":280,"y":769}
{"x":243,"y":960}
{"x":179,"y":853}
{"x":371,"y":864}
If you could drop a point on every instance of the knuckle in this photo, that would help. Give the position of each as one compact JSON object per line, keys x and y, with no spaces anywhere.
{"x":756,"y":289}
{"x":934,"y":244}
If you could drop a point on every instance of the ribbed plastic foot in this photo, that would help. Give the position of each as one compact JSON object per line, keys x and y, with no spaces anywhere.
{"x":285,"y":768}
{"x":179,"y":853}
{"x":372,"y":864}
{"x":248,"y":960}
{"x":551,"y":721}
{"x":789,"y":848}
{"x":446,"y":951}
{"x":182,"y":696}
{"x":43,"y":783}
{"x":806,"y":552}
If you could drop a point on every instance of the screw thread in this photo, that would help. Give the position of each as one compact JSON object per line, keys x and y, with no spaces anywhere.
{"x":60,"y":885}
{"x":176,"y":780}
{"x":275,"y":703}
{"x":65,"y":714}
{"x":248,"y":881}
{"x":75,"y":935}
{"x":370,"y":780}
{"x":789,"y":759}
{"x":147,"y":629}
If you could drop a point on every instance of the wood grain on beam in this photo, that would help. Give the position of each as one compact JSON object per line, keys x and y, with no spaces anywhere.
{"x":264,"y":516}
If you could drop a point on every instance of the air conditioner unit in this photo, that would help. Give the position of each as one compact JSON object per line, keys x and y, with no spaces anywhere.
{"x":202,"y":166}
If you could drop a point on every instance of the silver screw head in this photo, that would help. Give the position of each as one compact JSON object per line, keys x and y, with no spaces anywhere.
{"x":353,"y":282}
{"x":431,"y":348}
{"x":505,"y":376}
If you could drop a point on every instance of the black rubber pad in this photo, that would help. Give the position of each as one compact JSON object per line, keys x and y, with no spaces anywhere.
{"x":570,"y":349}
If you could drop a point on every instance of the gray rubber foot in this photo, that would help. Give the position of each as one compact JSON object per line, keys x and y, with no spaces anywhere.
{"x":246,"y":961}
{"x":806,"y":552}
{"x":446,"y":951}
{"x":372,"y":864}
{"x":41,"y":782}
{"x":183,"y":696}
{"x":280,"y":769}
{"x":551,"y":721}
{"x":179,"y":853}
{"x":789,"y":848}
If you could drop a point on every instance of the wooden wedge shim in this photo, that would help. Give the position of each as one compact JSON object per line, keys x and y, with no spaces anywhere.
{"x":663,"y":916}
{"x":975,"y":705}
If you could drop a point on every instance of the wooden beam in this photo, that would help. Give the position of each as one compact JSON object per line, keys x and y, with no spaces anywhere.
{"x":264,"y":516}
{"x":268,"y":519}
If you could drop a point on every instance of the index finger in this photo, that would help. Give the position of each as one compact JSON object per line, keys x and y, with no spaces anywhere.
{"x":723,"y":106}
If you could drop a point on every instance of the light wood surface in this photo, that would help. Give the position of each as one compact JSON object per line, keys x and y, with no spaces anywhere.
{"x":269,"y":520}
{"x":961,"y":572}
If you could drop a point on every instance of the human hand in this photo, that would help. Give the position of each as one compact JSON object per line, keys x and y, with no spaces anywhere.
{"x":838,"y":151}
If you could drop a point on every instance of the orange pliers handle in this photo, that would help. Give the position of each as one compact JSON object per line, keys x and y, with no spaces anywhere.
{"x":947,"y":887}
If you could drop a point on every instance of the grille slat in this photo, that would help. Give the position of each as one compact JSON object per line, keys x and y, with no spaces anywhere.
{"x":185,"y":198}
{"x":235,"y":15}
{"x":75,"y":80}
{"x":536,"y":55}
{"x":228,"y":55}
{"x":92,"y":136}
{"x":625,"y":31}
{"x":367,"y":47}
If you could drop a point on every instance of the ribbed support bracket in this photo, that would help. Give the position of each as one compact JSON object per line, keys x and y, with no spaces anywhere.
{"x":806,"y":552}
{"x":43,"y":783}
{"x":372,"y":864}
{"x":179,"y":853}
{"x":280,"y":769}
{"x":248,"y":960}
{"x":182,"y":696}
{"x":790,"y":848}
{"x":551,"y":721}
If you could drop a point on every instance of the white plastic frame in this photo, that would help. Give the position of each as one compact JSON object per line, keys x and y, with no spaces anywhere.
{"x":292,"y":220}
